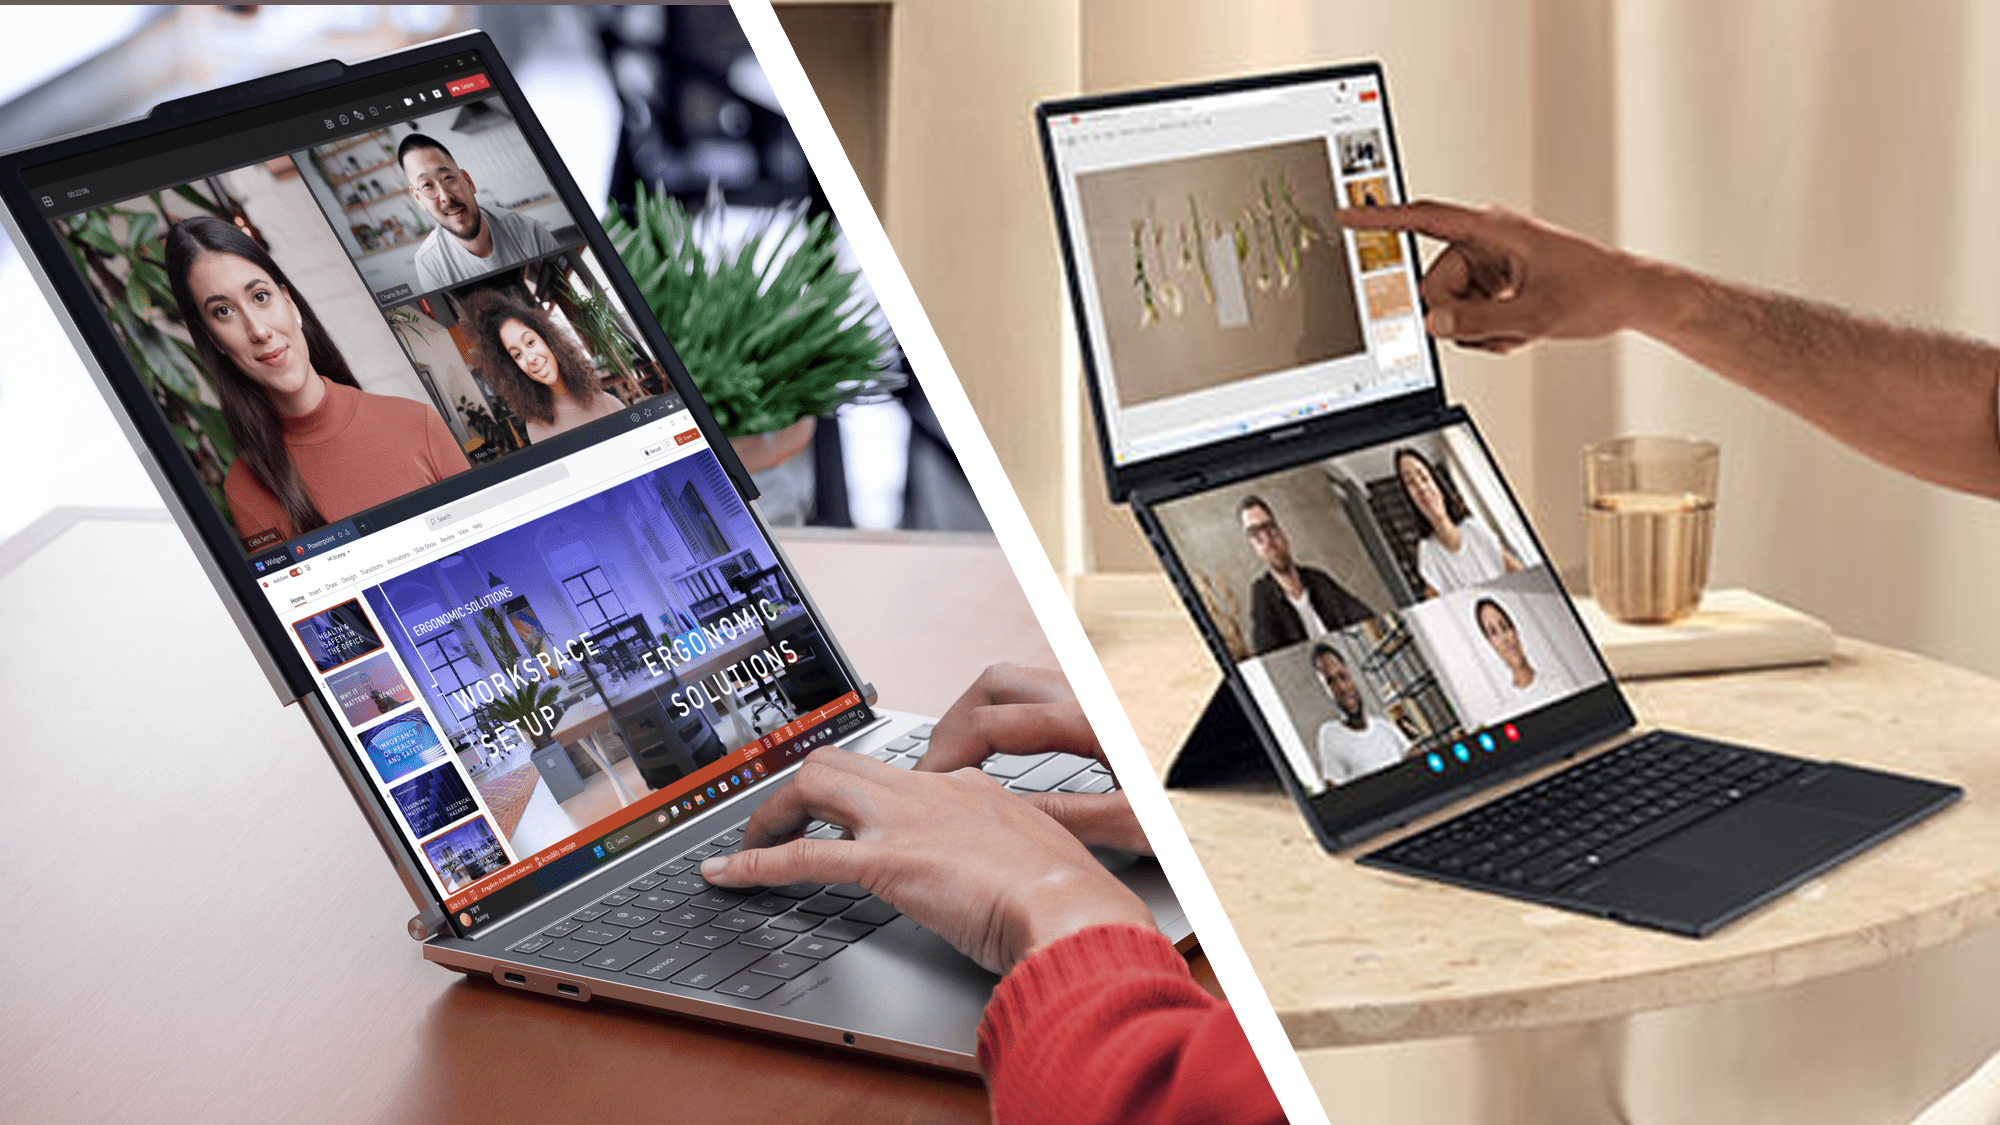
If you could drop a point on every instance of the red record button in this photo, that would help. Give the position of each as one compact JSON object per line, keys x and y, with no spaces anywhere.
{"x":468,"y":85}
{"x":1512,"y":732}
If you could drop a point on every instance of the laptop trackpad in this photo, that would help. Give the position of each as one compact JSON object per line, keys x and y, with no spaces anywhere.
{"x":1720,"y":868}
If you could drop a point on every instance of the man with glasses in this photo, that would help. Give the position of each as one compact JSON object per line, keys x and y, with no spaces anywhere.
{"x":1290,"y":603}
{"x":471,"y":240}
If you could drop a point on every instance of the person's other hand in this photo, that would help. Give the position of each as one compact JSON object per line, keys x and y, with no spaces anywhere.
{"x":962,"y":857}
{"x":1506,"y":280}
{"x":1014,"y":709}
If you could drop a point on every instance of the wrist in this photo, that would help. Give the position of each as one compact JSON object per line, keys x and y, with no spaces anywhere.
{"x":1657,"y":299}
{"x":1069,"y":902}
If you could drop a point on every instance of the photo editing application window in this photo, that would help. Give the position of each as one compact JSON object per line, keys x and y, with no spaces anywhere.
{"x":1221,"y":296}
{"x":547,"y":620}
{"x":1386,"y":608}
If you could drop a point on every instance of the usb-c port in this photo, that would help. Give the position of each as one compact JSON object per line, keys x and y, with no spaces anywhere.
{"x":568,"y":989}
{"x":516,"y":978}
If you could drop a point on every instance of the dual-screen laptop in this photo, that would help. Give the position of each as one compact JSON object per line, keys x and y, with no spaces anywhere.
{"x":1393,"y":638}
{"x":467,"y":507}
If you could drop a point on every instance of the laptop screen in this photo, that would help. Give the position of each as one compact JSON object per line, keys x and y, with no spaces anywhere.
{"x":455,"y":470}
{"x":1220,"y":297}
{"x":1390,"y":617}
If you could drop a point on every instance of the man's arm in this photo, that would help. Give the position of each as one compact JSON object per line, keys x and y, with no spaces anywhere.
{"x":1915,"y":399}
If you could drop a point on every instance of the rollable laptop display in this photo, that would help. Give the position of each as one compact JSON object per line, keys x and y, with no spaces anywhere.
{"x":1393,"y":637}
{"x":471,"y":513}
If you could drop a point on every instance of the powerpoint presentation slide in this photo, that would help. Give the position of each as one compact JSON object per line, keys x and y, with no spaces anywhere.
{"x":366,"y":691}
{"x":402,"y":746}
{"x":1437,"y":503}
{"x":1352,"y":702}
{"x":1388,"y":295}
{"x":297,"y":402}
{"x":533,"y":352}
{"x":1372,"y":192}
{"x":608,"y":648}
{"x":466,"y":854}
{"x":1219,"y":268}
{"x":1507,"y":647}
{"x":1361,"y":152}
{"x":1277,"y":560}
{"x":338,"y":636}
{"x":432,"y":800}
{"x":437,"y":201}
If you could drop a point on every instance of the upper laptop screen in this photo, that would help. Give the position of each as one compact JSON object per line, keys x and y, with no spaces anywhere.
{"x":503,"y":550}
{"x":1221,"y":296}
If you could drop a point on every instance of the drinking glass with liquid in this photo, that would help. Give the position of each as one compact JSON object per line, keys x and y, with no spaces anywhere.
{"x":1650,"y":522}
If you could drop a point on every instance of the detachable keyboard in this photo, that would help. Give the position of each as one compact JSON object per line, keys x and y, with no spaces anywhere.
{"x":671,"y":925}
{"x":1545,"y":836}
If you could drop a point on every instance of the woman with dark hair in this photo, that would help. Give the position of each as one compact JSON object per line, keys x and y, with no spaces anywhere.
{"x":1532,"y":685}
{"x":1457,"y":550}
{"x":311,"y":446}
{"x":546,"y":376}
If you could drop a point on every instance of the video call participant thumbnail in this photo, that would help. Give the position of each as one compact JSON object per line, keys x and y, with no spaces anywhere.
{"x":1290,"y":603}
{"x":1457,"y":550}
{"x":1353,"y":743}
{"x":1531,"y":685}
{"x":471,"y":239}
{"x":538,"y":367}
{"x":311,"y":446}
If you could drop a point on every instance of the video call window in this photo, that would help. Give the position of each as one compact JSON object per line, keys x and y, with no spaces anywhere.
{"x":1380,"y":604}
{"x":250,"y":302}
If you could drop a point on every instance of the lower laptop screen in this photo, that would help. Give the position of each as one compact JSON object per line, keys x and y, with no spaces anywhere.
{"x":1387,"y":611}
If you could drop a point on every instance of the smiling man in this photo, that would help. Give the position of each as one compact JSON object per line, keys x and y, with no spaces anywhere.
{"x":471,"y":240}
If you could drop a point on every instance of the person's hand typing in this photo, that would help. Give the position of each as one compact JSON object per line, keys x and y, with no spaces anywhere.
{"x":962,"y":857}
{"x":1013,"y":709}
{"x":1506,"y":280}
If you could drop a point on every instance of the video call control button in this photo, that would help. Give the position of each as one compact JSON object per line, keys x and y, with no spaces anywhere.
{"x":712,"y":969}
{"x":797,"y":890}
{"x":1461,"y":753}
{"x":871,"y":912}
{"x":566,"y":950}
{"x":1435,"y":761}
{"x":848,"y":890}
{"x":617,"y":957}
{"x":597,"y":935}
{"x":842,"y":929}
{"x":667,"y":962}
{"x":749,"y":986}
{"x":818,"y":948}
{"x":659,"y":934}
{"x":783,"y":965}
{"x":795,"y":922}
{"x":767,"y":938}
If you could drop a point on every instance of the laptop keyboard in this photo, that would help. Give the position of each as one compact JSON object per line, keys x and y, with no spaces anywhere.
{"x":1547,"y":835}
{"x":671,"y":925}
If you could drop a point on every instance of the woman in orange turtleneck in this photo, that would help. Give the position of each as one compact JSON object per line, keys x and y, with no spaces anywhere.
{"x":311,"y":446}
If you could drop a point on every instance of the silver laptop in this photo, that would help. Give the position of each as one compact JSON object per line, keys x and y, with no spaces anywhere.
{"x":469,"y":511}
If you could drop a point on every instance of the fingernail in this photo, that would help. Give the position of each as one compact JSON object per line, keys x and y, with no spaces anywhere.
{"x":713,"y":866}
{"x":1441,"y":322}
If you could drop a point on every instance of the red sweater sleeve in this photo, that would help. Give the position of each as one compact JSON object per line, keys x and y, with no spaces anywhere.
{"x":1106,"y":1025}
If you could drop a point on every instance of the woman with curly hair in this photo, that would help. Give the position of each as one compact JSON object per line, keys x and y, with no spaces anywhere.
{"x":544,"y":374}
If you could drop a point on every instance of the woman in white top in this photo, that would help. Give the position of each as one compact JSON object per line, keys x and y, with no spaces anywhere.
{"x":546,"y":377}
{"x":1458,"y":550}
{"x":1531,"y":686}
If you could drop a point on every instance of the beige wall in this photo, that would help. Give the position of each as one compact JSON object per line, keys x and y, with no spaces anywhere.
{"x":1843,"y":150}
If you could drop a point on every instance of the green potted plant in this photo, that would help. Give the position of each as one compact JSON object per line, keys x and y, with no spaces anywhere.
{"x":769,"y":325}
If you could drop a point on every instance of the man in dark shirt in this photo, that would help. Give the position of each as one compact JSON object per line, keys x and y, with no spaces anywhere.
{"x":1290,"y":603}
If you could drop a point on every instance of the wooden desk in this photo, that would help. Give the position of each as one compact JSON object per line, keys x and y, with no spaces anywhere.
{"x":1351,"y":956}
{"x":204,"y":930}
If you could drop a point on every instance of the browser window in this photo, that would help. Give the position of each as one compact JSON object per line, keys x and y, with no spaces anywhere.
{"x":1220,"y":294}
{"x":549,"y":623}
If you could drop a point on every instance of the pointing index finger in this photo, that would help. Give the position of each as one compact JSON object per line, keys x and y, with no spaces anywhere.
{"x":1446,"y":222}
